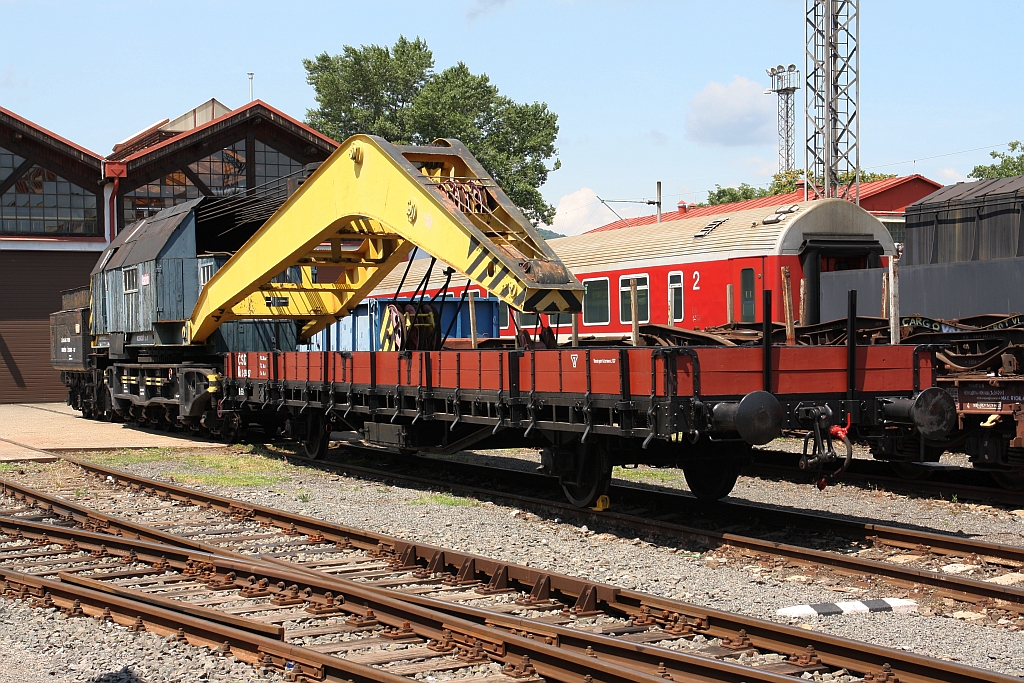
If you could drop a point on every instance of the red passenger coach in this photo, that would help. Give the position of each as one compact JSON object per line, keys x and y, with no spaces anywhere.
{"x":685,"y":268}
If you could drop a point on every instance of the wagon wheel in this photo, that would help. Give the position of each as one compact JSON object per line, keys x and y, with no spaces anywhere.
{"x":231,"y":429}
{"x":592,"y":479}
{"x":314,"y":446}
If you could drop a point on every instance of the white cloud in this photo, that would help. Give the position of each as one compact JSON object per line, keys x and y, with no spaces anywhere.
{"x":580,"y":211}
{"x":659,"y":138}
{"x":7,"y":78}
{"x":732,"y":115}
{"x":950,"y":176}
{"x":482,"y":7}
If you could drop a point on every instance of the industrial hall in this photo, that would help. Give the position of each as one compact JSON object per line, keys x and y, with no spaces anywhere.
{"x":61,"y":204}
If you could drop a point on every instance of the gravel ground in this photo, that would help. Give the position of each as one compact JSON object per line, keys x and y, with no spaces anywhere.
{"x":659,"y":568}
{"x":43,"y":646}
{"x":998,"y":524}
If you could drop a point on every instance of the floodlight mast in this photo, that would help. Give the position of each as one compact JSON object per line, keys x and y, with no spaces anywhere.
{"x":785,"y":83}
{"x":832,"y":99}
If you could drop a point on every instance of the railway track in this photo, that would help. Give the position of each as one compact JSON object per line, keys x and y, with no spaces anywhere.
{"x":228,"y":541}
{"x":920,"y":555}
{"x":946,"y":484}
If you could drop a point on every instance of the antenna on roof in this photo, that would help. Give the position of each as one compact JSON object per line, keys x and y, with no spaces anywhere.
{"x":250,"y":75}
{"x":613,"y":210}
{"x":651,"y":202}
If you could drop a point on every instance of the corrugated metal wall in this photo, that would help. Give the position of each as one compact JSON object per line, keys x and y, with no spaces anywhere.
{"x":942,"y":290}
{"x":967,"y":222}
{"x":31,"y":283}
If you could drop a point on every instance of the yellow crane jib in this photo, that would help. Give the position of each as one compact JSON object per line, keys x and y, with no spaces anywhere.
{"x":360,"y":213}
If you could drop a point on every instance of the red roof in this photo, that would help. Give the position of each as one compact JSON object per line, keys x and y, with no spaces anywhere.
{"x":233,"y":112}
{"x":42,"y":130}
{"x":887,"y":197}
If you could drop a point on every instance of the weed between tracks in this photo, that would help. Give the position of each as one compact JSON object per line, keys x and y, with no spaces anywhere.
{"x":444,"y":499}
{"x":249,"y":466}
{"x":646,"y":475}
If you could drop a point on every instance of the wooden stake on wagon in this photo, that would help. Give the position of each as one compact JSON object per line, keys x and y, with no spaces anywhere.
{"x":885,"y":295}
{"x":575,"y":330}
{"x":472,"y":317}
{"x":787,"y":304}
{"x":803,"y":301}
{"x":729,"y":311}
{"x":894,"y":300}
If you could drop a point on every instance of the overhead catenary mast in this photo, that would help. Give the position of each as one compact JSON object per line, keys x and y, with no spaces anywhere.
{"x":785,"y":83}
{"x":832,"y":99}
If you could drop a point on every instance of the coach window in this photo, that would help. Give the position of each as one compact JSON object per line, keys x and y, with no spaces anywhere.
{"x":747,"y":295}
{"x":596,"y":302}
{"x":559,"y":319}
{"x":528,"y":319}
{"x":502,"y":315}
{"x":642,"y":302}
{"x":675,"y":295}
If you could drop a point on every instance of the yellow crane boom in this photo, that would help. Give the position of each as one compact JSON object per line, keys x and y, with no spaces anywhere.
{"x":363,"y":211}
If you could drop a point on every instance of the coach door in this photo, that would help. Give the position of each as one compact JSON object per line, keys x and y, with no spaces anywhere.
{"x":747,"y":283}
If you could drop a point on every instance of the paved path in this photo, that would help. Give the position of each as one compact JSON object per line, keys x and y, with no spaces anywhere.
{"x":24,"y":426}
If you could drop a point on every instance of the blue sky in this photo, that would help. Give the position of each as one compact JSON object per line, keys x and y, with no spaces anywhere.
{"x":645,"y":91}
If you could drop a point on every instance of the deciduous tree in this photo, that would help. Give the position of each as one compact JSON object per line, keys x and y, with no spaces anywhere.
{"x":396,"y":94}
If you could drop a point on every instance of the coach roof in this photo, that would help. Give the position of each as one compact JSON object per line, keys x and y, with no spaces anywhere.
{"x":775,"y":230}
{"x":783,"y":229}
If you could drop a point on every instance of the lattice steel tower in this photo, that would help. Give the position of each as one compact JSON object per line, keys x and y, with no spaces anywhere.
{"x":785,"y":83}
{"x":832,"y":97}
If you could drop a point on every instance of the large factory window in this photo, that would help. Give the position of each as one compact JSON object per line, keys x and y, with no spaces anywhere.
{"x":747,"y":295}
{"x":142,"y":202}
{"x":675,"y":296}
{"x":271,"y":164}
{"x":596,"y":302}
{"x":8,"y":162}
{"x":42,"y":203}
{"x":642,"y":301}
{"x":223,"y":172}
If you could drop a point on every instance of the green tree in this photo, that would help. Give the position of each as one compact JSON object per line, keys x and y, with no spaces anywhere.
{"x":727,"y":195}
{"x":396,"y":94}
{"x":785,"y":181}
{"x":1010,"y":164}
{"x":368,"y":89}
{"x":865,"y":177}
{"x":782,"y":183}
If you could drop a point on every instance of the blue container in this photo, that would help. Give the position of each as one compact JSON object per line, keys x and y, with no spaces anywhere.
{"x":360,"y":331}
